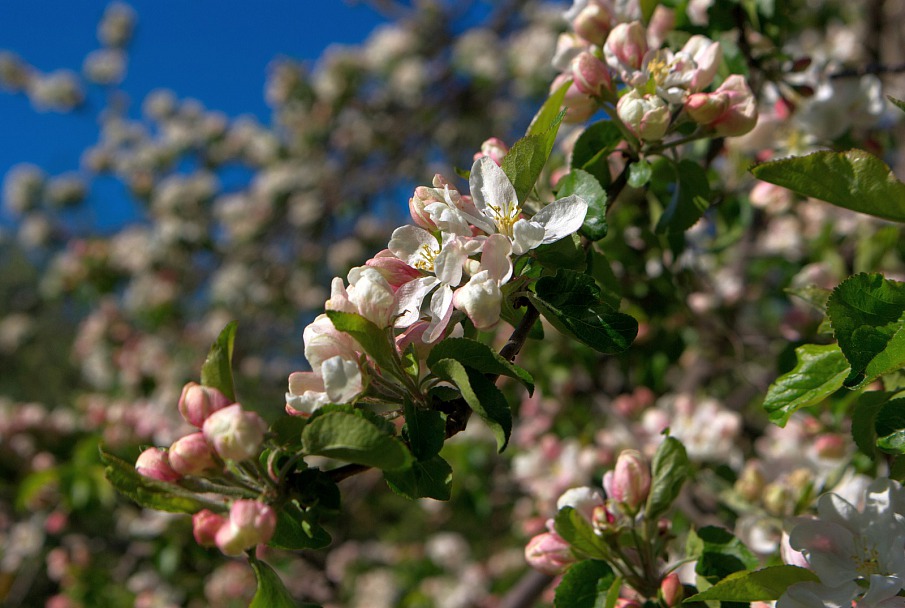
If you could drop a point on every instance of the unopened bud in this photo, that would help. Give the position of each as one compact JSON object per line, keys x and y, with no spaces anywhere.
{"x":205,"y":525}
{"x":647,"y":116}
{"x":198,"y":402}
{"x":396,"y":272}
{"x":494,"y":148}
{"x":250,"y":523}
{"x":830,"y":446}
{"x":629,"y":483}
{"x":579,"y":106}
{"x":593,"y":23}
{"x":235,"y":434}
{"x":422,"y":197}
{"x":671,"y":591}
{"x":704,"y":108}
{"x":626,"y":46}
{"x":776,"y":499}
{"x":750,"y":483}
{"x":549,"y":553}
{"x":592,"y":76}
{"x":191,"y":455}
{"x":155,"y":463}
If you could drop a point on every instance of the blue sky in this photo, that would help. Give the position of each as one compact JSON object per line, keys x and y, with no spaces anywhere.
{"x":215,"y":51}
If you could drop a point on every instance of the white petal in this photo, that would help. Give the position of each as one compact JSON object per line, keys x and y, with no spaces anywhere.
{"x":408,"y":242}
{"x":526,"y":234}
{"x":561,"y":218}
{"x":490,"y":187}
{"x":448,"y":263}
{"x":409,"y":298}
{"x":481,"y":300}
{"x":342,"y":379}
{"x":495,"y":257}
{"x":441,"y":308}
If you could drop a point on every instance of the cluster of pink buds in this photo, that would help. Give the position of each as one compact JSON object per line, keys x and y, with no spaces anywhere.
{"x":612,"y":58}
{"x":248,"y":524}
{"x":228,"y":433}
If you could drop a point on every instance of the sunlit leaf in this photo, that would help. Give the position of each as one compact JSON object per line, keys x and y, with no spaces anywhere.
{"x":217,"y":371}
{"x":764,"y":585}
{"x":820,"y":372}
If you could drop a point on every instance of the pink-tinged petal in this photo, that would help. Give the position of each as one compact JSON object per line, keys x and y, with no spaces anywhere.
{"x":490,"y":188}
{"x":448,"y":263}
{"x":409,"y":298}
{"x":829,"y":549}
{"x":339,"y":297}
{"x":815,"y":595}
{"x":526,"y":235}
{"x":562,"y":218}
{"x":583,"y":499}
{"x":441,"y":308}
{"x":882,"y":592}
{"x":481,"y":300}
{"x":495,"y":257}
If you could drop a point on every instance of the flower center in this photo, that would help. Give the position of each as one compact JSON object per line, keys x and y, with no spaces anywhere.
{"x":505,"y":218}
{"x":659,"y":68}
{"x":426,"y":255}
{"x":866,"y":558}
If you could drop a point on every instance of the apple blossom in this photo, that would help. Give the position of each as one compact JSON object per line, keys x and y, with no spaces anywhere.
{"x":629,"y":483}
{"x":191,"y":455}
{"x":198,"y":402}
{"x":155,"y":463}
{"x":549,"y":553}
{"x":250,"y":523}
{"x":591,"y":75}
{"x":205,"y":525}
{"x":647,"y":116}
{"x":624,"y":51}
{"x":495,"y":198}
{"x":234,"y":433}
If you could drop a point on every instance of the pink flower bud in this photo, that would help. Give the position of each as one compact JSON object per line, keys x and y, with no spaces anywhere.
{"x":625,"y":49}
{"x":629,"y":483}
{"x":579,"y":107}
{"x":205,"y":525}
{"x":250,"y":523}
{"x":191,"y":455}
{"x":395,"y":271}
{"x":593,"y":22}
{"x":198,"y":402}
{"x":741,"y":115}
{"x":422,"y":197}
{"x":705,"y":108}
{"x":591,"y":75}
{"x":671,"y":591}
{"x":235,"y":434}
{"x":549,"y":553}
{"x":831,"y":446}
{"x":647,"y":116}
{"x":155,"y":463}
{"x":494,"y":148}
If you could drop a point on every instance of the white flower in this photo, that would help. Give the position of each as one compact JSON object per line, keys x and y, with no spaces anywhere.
{"x":494,"y":197}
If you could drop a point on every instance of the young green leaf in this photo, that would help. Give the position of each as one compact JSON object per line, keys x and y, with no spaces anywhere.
{"x":719,"y":553}
{"x":217,"y":371}
{"x":548,"y":113}
{"x":297,"y":529}
{"x":424,"y":430}
{"x":820,"y":372}
{"x":481,"y":395}
{"x":584,"y":585}
{"x":764,"y":585}
{"x":566,"y":254}
{"x":372,"y":339}
{"x":855,"y":180}
{"x":669,"y":469}
{"x":896,"y":102}
{"x":577,"y":531}
{"x":866,"y":311}
{"x":864,"y":420}
{"x":690,"y":199}
{"x":352,"y":438}
{"x":431,"y":478}
{"x":587,"y":187}
{"x":593,"y":147}
{"x":151,"y":493}
{"x":481,"y":357}
{"x":890,"y":427}
{"x":639,"y":173}
{"x":526,"y":158}
{"x":271,"y":592}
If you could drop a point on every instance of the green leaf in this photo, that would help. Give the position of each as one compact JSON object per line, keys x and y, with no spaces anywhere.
{"x":866,"y":312}
{"x":577,"y":531}
{"x":570,"y":301}
{"x":593,"y":147}
{"x":639,"y":173}
{"x":647,"y":9}
{"x":587,"y":187}
{"x":897,"y":102}
{"x":424,"y":430}
{"x":217,"y":371}
{"x":606,"y":279}
{"x":431,"y":478}
{"x":721,"y":553}
{"x":526,"y":158}
{"x":584,"y":585}
{"x":352,"y":438}
{"x":287,"y":430}
{"x":764,"y":585}
{"x":548,"y":115}
{"x":481,"y":395}
{"x":372,"y":339}
{"x":820,"y":372}
{"x":151,"y":493}
{"x":297,"y":529}
{"x":864,"y":420}
{"x":314,"y":488}
{"x":566,"y":253}
{"x":890,"y":426}
{"x":690,"y":199}
{"x":669,"y":469}
{"x":271,"y":592}
{"x":854,"y":179}
{"x":815,"y":296}
{"x":481,"y":357}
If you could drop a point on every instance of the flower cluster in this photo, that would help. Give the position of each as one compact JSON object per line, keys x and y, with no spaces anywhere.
{"x":460,"y":252}
{"x":610,"y":57}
